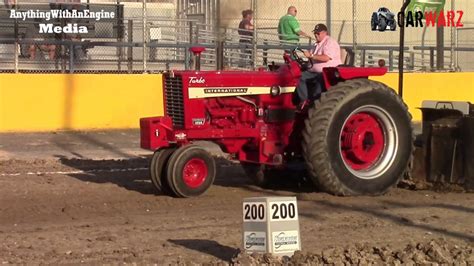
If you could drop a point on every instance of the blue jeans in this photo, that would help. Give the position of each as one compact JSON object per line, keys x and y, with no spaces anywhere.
{"x":310,"y":85}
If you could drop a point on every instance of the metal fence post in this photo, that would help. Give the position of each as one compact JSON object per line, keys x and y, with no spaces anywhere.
{"x":16,"y":45}
{"x":254,"y":39}
{"x":219,"y":39}
{"x":130,"y":48}
{"x":452,"y":56}
{"x":328,"y":15}
{"x":354,"y":29}
{"x":191,"y":32}
{"x":390,"y":60}
{"x":71,"y":58}
{"x":145,"y":37}
{"x":432,"y":55}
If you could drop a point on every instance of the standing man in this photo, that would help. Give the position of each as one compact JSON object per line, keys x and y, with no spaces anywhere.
{"x":246,"y":36}
{"x":289,"y":28}
{"x":326,"y":53}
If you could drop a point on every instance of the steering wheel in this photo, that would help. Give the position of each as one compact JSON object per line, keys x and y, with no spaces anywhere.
{"x":304,"y":63}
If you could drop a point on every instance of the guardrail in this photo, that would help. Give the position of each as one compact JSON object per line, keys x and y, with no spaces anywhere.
{"x":168,"y":43}
{"x":433,"y":49}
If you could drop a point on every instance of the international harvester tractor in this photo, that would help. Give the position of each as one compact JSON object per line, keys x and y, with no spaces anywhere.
{"x":355,"y":138}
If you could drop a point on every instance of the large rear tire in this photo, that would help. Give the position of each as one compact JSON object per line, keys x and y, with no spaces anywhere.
{"x":191,"y":171}
{"x":358,"y":139}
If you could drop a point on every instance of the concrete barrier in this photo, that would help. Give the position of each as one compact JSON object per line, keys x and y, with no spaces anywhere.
{"x":458,"y":86}
{"x":47,"y":102}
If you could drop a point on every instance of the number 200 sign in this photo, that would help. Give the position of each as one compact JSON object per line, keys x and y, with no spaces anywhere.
{"x":279,"y":210}
{"x":254,"y":211}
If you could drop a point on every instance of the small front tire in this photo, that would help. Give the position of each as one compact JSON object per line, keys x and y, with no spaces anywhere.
{"x":158,"y":169}
{"x":191,"y":171}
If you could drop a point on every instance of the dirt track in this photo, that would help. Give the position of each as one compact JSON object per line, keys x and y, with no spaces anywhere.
{"x":85,"y":213}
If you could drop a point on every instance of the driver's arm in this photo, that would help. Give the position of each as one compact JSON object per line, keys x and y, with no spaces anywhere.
{"x":318,"y":58}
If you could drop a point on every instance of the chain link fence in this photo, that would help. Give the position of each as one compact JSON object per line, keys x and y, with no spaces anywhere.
{"x":149,"y":36}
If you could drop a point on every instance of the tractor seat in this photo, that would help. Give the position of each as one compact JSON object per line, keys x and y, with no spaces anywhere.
{"x":347,"y":58}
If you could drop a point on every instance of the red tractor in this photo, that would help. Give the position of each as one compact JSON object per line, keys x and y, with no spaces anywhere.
{"x":355,"y":139}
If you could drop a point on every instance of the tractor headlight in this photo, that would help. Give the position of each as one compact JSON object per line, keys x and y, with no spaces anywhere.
{"x":275,"y":90}
{"x":336,"y":74}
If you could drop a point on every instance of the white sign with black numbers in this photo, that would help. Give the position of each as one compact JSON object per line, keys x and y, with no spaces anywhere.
{"x":283,"y":210}
{"x":254,"y":211}
{"x":270,"y":225}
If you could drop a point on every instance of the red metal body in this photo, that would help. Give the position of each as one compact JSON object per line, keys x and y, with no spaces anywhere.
{"x":237,"y":110}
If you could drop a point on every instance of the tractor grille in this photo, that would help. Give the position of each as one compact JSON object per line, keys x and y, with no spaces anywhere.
{"x":174,"y":100}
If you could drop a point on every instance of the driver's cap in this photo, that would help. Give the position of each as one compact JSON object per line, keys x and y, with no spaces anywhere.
{"x":320,"y":27}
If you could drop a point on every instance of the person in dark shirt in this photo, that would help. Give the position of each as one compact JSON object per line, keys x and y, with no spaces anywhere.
{"x":246,"y":36}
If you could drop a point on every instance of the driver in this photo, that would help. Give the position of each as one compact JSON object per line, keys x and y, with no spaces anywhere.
{"x":325,"y":53}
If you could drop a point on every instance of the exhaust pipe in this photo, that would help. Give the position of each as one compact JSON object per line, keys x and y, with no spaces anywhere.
{"x":197,"y":50}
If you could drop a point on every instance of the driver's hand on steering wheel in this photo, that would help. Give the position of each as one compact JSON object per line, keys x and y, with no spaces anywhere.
{"x":307,"y":54}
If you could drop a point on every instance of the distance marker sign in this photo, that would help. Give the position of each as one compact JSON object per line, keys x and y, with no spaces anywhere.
{"x":270,"y":225}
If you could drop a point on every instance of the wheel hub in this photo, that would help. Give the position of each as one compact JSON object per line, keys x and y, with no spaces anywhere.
{"x":195,"y":172}
{"x":362,"y":141}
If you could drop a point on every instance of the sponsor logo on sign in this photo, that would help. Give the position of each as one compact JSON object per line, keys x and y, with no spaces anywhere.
{"x":255,"y":241}
{"x":285,"y":241}
{"x":225,"y":90}
{"x":196,"y":80}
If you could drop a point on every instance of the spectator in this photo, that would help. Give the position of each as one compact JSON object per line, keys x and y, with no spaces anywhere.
{"x":289,"y":28}
{"x":10,"y":3}
{"x":326,"y":53}
{"x":32,"y":33}
{"x":246,"y":36}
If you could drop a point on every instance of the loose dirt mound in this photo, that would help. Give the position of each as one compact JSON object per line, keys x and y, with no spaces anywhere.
{"x":435,"y":251}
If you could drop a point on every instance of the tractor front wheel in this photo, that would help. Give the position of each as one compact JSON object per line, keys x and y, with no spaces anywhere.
{"x":358,"y":139}
{"x":191,"y":171}
{"x":158,"y":169}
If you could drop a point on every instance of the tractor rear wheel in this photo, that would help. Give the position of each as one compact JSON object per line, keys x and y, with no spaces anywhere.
{"x":158,"y":170}
{"x":191,"y":171}
{"x":358,"y":139}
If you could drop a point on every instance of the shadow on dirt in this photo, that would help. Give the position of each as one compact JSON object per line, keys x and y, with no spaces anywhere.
{"x":209,"y":247}
{"x":113,"y":143}
{"x":434,"y":205}
{"x":398,"y":219}
{"x":133,"y":174}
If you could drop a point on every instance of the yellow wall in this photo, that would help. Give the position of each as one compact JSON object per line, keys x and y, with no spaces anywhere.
{"x":41,"y":102}
{"x":432,"y":86}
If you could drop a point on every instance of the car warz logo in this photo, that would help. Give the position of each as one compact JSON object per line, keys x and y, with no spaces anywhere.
{"x":384,"y":19}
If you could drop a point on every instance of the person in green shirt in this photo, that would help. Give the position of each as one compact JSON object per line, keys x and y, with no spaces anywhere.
{"x":289,"y":28}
